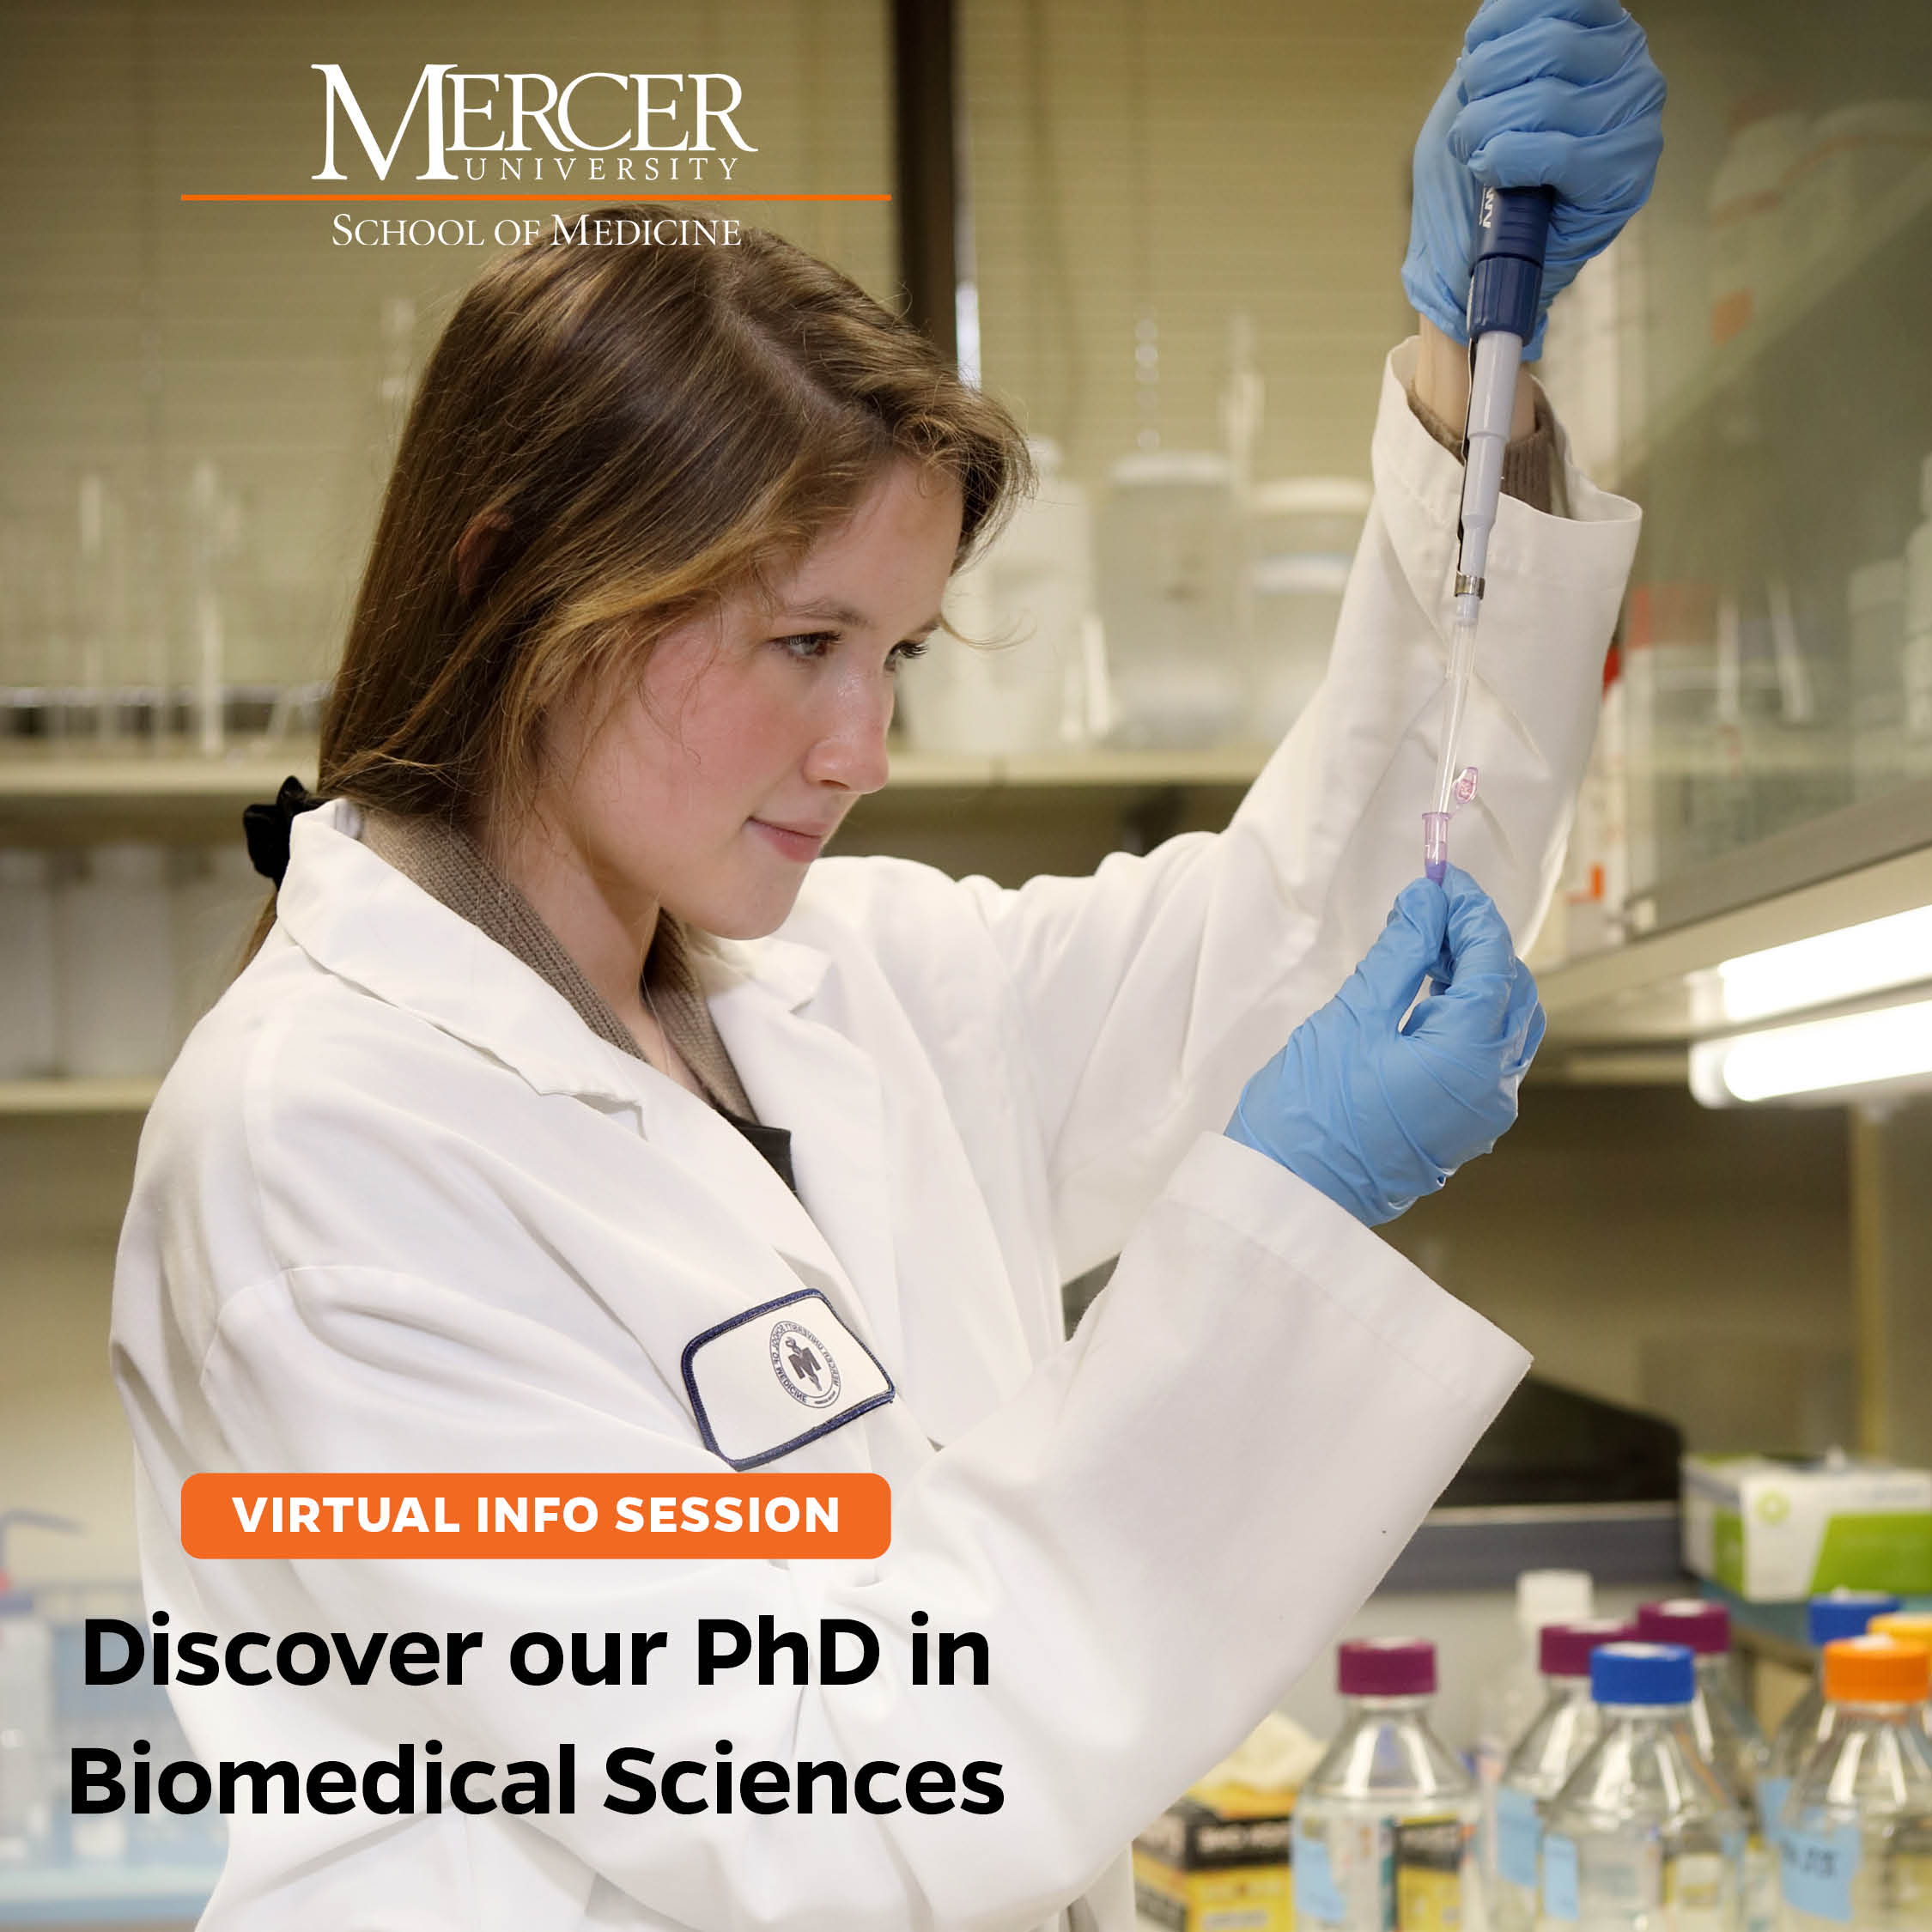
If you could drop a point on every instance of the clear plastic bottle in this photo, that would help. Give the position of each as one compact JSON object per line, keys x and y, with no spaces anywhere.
{"x":1554,"y":1744}
{"x":1012,"y":681}
{"x":215,"y":896}
{"x":1916,"y":657}
{"x":1300,"y":537}
{"x":1856,"y":1842}
{"x":27,"y":976}
{"x":26,"y":1730}
{"x":1727,"y":1734}
{"x":1913,"y":1626}
{"x":1808,"y":1722}
{"x":26,"y":1710}
{"x":1642,"y":1837}
{"x":1166,"y":550}
{"x":1875,"y":610}
{"x":116,"y":964}
{"x":1508,"y":1703}
{"x":1384,"y":1835}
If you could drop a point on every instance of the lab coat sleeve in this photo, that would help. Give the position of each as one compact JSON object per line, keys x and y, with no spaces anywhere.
{"x":1149,"y":992}
{"x":1155,"y":1536}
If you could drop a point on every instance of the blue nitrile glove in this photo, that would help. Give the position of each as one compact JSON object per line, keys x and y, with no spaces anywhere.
{"x":1561,"y":93}
{"x":1375,"y":1114}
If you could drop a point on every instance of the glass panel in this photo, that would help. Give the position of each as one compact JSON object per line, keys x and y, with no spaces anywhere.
{"x":1750,"y":362}
{"x":1187,"y":225}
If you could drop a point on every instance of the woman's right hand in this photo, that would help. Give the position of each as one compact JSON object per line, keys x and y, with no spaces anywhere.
{"x":1547,"y":93}
{"x":1375,"y":1112}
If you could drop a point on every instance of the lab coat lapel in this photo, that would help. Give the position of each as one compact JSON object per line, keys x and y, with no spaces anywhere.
{"x":895,"y":1196}
{"x":801,"y":1075}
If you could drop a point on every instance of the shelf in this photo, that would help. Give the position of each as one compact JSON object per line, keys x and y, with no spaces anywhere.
{"x":1644,"y":991}
{"x":34,"y":778}
{"x":1232,"y":765}
{"x":1853,"y":836}
{"x":1486,"y":1549}
{"x":1879,"y":229}
{"x":77,"y":1096}
{"x":68,"y":777}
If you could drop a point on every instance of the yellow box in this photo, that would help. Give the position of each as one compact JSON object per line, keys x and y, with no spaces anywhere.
{"x":1218,"y":1866}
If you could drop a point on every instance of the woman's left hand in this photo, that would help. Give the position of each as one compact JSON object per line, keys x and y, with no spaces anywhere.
{"x":1375,"y":1113}
{"x":1556,"y":93}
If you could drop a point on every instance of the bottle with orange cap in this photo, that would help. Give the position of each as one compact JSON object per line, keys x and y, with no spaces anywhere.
{"x":1808,"y":1722}
{"x":1912,"y":1626}
{"x":1856,"y":1841}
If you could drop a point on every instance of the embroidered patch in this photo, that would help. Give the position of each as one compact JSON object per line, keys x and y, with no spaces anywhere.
{"x":778,"y":1376}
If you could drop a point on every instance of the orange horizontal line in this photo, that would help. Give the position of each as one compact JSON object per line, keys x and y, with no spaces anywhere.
{"x":613,"y":198}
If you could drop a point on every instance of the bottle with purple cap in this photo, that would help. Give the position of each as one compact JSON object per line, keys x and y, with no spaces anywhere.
{"x":1809,"y":1721}
{"x":1727,"y":1734}
{"x":1385,"y":1827}
{"x":1507,"y":1703}
{"x":1553,"y":1746}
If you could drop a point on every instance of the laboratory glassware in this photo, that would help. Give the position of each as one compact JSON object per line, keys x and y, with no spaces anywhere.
{"x":1856,"y":1844}
{"x":1384,"y":1830}
{"x":1301,"y":537}
{"x":27,"y":1048}
{"x":1642,"y":1838}
{"x":1728,"y":1737}
{"x":114,"y":936}
{"x":1012,"y":679}
{"x":1916,"y":655}
{"x":27,"y":1708}
{"x":1165,"y":565}
{"x":1558,"y":1739}
{"x":1808,"y":1722}
{"x":1875,"y":606}
{"x":1508,"y":1702}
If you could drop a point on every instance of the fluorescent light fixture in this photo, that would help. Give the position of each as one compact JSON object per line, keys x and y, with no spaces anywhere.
{"x":1847,"y":965}
{"x":1889,"y":1047}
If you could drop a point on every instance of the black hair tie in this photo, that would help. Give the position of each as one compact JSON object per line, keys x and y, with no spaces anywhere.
{"x":266,"y":827}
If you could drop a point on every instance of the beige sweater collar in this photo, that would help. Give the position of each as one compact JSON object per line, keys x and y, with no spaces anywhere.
{"x":449,"y":866}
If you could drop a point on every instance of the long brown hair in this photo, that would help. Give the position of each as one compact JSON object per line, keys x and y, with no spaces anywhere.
{"x":606,"y":439}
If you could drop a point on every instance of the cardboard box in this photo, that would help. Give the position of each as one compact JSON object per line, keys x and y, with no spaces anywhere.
{"x":1216,"y":1860}
{"x":1779,"y":1531}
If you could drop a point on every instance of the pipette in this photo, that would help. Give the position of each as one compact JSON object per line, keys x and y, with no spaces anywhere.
{"x":1512,"y":228}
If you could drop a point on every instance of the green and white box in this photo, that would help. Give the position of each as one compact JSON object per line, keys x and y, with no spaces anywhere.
{"x":1778,"y":1532}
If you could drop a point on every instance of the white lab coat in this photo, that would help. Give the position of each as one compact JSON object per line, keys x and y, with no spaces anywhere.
{"x":396,"y":1208}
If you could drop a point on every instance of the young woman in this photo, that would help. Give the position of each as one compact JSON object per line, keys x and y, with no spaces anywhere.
{"x":567,"y":1075}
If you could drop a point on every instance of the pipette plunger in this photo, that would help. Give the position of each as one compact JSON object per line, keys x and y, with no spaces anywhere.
{"x":1512,"y":230}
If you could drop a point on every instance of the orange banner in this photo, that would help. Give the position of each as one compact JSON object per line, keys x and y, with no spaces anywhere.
{"x":365,"y":1514}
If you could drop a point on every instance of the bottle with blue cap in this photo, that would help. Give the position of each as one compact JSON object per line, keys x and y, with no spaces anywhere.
{"x":1727,"y":1734}
{"x":1855,"y":1844}
{"x":1642,"y":1837}
{"x":1809,"y":1721}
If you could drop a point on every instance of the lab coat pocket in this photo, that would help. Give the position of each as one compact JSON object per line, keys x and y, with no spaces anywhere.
{"x":780,"y":1376}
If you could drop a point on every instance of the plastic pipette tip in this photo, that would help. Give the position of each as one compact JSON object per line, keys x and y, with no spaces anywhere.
{"x":1435,"y":845}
